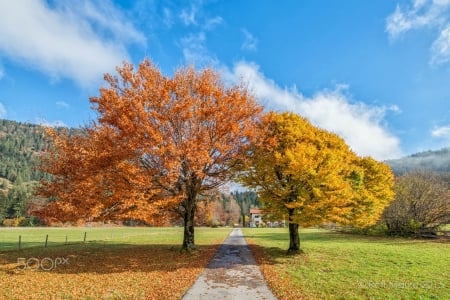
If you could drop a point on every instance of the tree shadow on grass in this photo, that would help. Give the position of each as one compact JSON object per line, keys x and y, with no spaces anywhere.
{"x":304,"y":236}
{"x":276,"y":255}
{"x":101,"y":258}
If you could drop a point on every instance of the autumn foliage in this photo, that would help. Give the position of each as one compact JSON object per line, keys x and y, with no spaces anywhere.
{"x":312,"y":177}
{"x":158,"y":143}
{"x":217,"y":209}
{"x":105,"y":269}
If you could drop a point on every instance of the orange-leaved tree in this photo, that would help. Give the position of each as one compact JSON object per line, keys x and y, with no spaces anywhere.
{"x":158,"y":143}
{"x":312,"y":177}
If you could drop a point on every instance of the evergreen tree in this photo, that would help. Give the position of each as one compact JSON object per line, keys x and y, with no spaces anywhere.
{"x":21,"y":145}
{"x":245,"y":200}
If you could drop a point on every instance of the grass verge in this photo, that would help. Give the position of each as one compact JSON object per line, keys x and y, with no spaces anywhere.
{"x":116,"y":263}
{"x":343,"y":266}
{"x":57,"y":236}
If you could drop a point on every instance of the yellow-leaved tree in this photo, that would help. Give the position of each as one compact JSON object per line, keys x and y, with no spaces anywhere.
{"x":313,"y":177}
{"x":158,"y":143}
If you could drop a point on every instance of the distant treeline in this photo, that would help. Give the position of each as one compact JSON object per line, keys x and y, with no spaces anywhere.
{"x":22,"y":143}
{"x":437,"y":161}
{"x":20,"y":147}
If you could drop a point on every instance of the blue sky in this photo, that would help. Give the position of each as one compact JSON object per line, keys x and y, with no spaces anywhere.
{"x":375,"y":72}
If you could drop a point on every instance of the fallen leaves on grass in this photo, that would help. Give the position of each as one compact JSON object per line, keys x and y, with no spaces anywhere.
{"x":276,"y":277}
{"x":93,"y":272}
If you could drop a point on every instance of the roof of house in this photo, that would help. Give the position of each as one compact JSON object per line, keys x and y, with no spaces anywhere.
{"x":255,"y":211}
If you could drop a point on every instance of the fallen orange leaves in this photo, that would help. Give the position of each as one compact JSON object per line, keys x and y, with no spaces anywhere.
{"x":277,"y":279}
{"x":96,"y":272}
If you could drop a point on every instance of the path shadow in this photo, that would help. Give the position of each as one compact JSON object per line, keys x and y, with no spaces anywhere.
{"x":229,"y":255}
{"x":235,"y":251}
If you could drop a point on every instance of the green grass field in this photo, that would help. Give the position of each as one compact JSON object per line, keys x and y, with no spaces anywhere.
{"x":343,"y":266}
{"x":333,"y":265}
{"x":114,"y":263}
{"x":58,"y":236}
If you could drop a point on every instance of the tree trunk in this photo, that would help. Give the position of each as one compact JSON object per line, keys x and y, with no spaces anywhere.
{"x":294,"y":237}
{"x":189,"y":214}
{"x":190,"y":205}
{"x":243,"y":220}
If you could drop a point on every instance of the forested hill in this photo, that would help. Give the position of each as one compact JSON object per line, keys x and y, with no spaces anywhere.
{"x":20,"y":145}
{"x":438,"y":161}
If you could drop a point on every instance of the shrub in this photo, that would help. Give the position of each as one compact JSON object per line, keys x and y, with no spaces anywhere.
{"x":421,"y":204}
{"x":215,"y":223}
{"x":14,"y":222}
{"x":378,"y":229}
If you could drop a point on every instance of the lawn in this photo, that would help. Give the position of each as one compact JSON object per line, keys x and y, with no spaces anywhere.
{"x":344,"y":266}
{"x":36,"y":236}
{"x":113,"y":263}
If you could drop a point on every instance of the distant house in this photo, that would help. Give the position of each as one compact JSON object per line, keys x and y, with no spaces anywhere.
{"x":255,"y":217}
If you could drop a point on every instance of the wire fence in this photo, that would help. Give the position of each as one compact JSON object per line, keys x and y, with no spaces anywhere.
{"x":18,"y":239}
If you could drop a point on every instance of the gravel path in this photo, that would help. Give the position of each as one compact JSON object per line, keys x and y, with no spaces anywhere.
{"x":231,"y":274}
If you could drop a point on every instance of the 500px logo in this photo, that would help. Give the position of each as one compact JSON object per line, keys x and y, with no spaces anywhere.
{"x":45,"y":264}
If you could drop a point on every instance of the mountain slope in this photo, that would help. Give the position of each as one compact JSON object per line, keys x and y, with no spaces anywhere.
{"x":438,"y":161}
{"x":20,"y":146}
{"x":22,"y":143}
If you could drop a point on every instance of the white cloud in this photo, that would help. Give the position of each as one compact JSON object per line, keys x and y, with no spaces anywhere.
{"x":441,"y":132}
{"x":250,"y":42}
{"x":395,"y":108}
{"x":105,"y":17}
{"x":397,"y":23}
{"x":78,"y":40}
{"x":188,"y":16}
{"x":420,"y":14}
{"x":195,"y":51}
{"x":212,"y":23}
{"x":193,"y":47}
{"x":193,"y":44}
{"x":401,"y":21}
{"x":359,"y":124}
{"x":432,"y":14}
{"x":168,"y":18}
{"x":441,"y":47}
{"x":2,"y":111}
{"x":44,"y":122}
{"x":62,"y":104}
